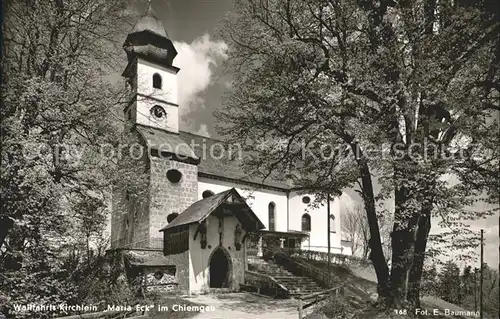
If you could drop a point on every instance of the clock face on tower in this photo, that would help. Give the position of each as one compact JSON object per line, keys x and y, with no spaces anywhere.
{"x":158,"y":113}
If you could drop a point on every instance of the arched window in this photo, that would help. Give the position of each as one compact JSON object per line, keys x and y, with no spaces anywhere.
{"x":207,"y":193}
{"x":156,"y":81}
{"x":333,"y":227}
{"x":272,"y":208}
{"x":306,"y":222}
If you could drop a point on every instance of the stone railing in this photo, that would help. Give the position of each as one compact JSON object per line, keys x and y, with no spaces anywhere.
{"x":265,"y":284}
{"x":337,"y":259}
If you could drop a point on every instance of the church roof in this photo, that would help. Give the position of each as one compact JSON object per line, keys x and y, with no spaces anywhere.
{"x":168,"y":142}
{"x":224,"y":165}
{"x":200,"y":210}
{"x":211,"y":164}
{"x":149,"y":22}
{"x":149,"y":40}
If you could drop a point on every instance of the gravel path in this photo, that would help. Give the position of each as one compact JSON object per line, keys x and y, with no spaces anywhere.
{"x":245,"y":306}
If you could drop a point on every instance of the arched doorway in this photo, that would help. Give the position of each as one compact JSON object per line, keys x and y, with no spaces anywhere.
{"x":220,"y":269}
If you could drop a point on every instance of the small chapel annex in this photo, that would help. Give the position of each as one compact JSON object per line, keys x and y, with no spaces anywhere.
{"x":202,"y":216}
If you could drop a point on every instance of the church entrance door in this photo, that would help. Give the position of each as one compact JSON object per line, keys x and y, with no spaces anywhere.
{"x":219,"y":269}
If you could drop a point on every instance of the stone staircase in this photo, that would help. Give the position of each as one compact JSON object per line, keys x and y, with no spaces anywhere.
{"x":296,"y":285}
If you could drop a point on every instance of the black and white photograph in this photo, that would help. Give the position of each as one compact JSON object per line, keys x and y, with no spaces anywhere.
{"x":249,"y":159}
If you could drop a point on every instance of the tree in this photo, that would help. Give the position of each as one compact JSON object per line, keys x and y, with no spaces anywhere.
{"x":467,"y":283}
{"x":429,"y":280}
{"x":59,"y":124}
{"x":355,"y":226}
{"x":331,"y":94}
{"x":449,"y":283}
{"x":491,"y":291}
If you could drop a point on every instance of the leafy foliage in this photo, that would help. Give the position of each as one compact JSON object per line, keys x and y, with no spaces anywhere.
{"x":462,"y":287}
{"x":331,"y":94}
{"x":58,"y":122}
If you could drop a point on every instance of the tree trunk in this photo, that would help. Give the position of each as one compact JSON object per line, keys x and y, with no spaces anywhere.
{"x":415,"y":276}
{"x":403,"y":239}
{"x":376,"y":253}
{"x":366,"y":249}
{"x":5,"y":225}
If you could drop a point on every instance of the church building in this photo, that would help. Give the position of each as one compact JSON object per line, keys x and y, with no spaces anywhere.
{"x":202,"y":216}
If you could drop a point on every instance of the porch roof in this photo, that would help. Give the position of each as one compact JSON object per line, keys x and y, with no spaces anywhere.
{"x":290,"y":233}
{"x":146,"y":259}
{"x":200,"y":210}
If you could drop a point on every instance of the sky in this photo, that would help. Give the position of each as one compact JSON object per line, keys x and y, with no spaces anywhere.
{"x":192,"y":25}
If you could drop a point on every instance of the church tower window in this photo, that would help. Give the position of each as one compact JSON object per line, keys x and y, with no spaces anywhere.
{"x":157,"y":81}
{"x":306,"y":222}
{"x":332,"y":223}
{"x":272,"y":208}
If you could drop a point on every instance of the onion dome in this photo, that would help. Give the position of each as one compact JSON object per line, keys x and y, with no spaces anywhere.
{"x":149,"y":40}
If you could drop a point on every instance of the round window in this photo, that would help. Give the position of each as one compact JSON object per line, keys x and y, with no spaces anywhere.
{"x":174,"y":175}
{"x":306,"y":199}
{"x":207,"y":193}
{"x":171,"y":217}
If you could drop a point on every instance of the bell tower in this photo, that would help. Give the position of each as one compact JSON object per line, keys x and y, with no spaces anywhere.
{"x":170,"y":163}
{"x":151,"y":76}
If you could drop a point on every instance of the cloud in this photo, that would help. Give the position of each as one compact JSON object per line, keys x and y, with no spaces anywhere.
{"x":197,"y":61}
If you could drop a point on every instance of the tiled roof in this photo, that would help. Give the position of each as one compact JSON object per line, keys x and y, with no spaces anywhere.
{"x":165,"y":141}
{"x":217,"y":159}
{"x":222,"y":164}
{"x":146,"y":258}
{"x":200,"y":210}
{"x":150,"y":22}
{"x":289,"y":233}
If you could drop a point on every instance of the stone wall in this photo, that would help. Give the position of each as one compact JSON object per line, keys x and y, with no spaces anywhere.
{"x":160,"y":279}
{"x":118,"y":236}
{"x":167,"y":197}
{"x":144,"y":267}
{"x":181,"y":262}
{"x":129,"y":219}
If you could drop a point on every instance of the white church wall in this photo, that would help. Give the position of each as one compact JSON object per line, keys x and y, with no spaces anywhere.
{"x":288,"y":212}
{"x":199,"y":260}
{"x":166,"y":97}
{"x":258,"y":200}
{"x":347,"y":247}
{"x":318,"y":238}
{"x":145,"y":72}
